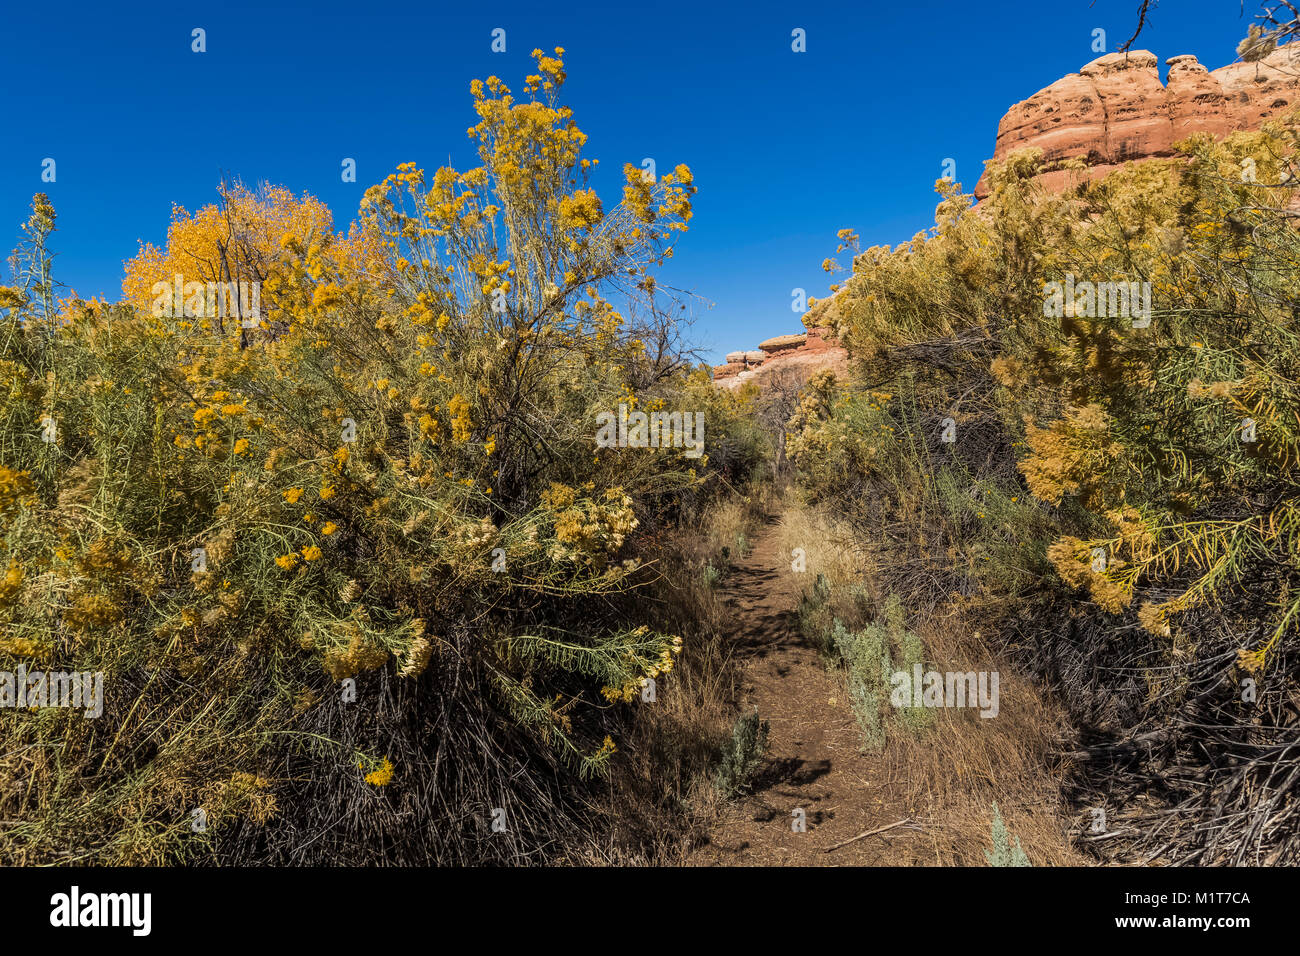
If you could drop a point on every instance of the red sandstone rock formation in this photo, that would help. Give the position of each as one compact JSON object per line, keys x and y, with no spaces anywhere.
{"x":810,"y":351}
{"x":1115,"y":109}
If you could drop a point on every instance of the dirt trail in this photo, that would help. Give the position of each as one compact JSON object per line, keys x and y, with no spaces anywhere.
{"x":813,"y":760}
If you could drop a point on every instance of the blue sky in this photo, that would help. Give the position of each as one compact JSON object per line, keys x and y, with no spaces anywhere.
{"x":786,"y":147}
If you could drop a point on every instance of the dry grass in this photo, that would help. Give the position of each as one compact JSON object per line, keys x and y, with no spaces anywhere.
{"x":830,"y":546}
{"x":951,"y":773}
{"x":664,"y":797}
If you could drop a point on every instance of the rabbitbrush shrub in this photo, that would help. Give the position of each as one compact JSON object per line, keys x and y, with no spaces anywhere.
{"x":358,"y":579}
{"x":1113,"y":493}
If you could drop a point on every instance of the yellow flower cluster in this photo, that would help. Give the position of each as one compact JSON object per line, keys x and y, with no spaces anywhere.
{"x":15,"y":487}
{"x":651,"y":670}
{"x":1073,"y":456}
{"x":461,"y":426}
{"x":1072,"y":559}
{"x":12,"y":583}
{"x":360,"y":655}
{"x":586,"y":531}
{"x":581,"y":210}
{"x":382,"y":775}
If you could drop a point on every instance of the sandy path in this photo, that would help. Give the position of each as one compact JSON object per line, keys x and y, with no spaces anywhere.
{"x":813,"y":760}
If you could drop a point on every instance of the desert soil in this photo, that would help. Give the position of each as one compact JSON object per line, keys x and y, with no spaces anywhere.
{"x":814,"y":761}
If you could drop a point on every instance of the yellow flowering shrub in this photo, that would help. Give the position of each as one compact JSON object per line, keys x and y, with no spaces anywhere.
{"x":245,"y":521}
{"x":1092,"y":441}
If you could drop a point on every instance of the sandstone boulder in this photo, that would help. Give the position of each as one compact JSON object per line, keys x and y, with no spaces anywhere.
{"x":781,"y":342}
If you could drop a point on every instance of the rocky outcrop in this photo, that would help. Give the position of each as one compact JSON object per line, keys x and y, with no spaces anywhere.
{"x":802,"y":353}
{"x":1115,"y":109}
{"x":780,"y":343}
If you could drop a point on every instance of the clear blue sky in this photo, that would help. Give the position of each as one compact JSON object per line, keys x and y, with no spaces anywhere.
{"x":786,"y":148}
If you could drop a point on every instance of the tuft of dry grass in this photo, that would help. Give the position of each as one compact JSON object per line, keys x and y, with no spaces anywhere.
{"x":830,"y":546}
{"x":952,"y":772}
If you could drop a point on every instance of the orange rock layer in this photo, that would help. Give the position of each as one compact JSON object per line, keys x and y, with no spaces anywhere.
{"x":1116,"y":110}
{"x":812,"y":351}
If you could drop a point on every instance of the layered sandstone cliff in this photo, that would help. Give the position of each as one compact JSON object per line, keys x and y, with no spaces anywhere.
{"x":800,"y":353}
{"x":1116,"y":109}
